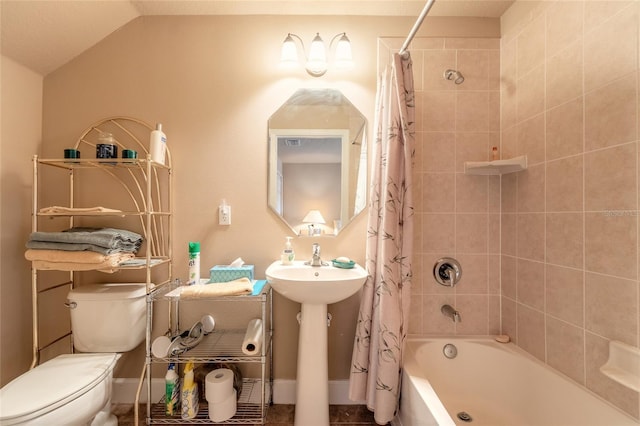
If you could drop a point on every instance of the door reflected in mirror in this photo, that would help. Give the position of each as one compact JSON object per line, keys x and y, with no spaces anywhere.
{"x":317,"y":161}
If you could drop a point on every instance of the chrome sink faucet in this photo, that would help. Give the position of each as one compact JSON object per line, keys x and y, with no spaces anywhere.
{"x":449,"y":311}
{"x":315,"y":257}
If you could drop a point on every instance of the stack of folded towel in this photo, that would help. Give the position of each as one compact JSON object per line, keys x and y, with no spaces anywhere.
{"x":82,"y":249}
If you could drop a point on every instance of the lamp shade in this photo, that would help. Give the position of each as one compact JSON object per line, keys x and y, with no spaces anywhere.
{"x":313,"y":216}
{"x":344,"y":58}
{"x":317,"y":63}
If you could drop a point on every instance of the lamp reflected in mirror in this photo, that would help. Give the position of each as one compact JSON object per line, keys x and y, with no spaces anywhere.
{"x":314,"y":219}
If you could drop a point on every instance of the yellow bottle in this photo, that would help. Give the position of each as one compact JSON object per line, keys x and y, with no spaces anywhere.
{"x":189,"y":393}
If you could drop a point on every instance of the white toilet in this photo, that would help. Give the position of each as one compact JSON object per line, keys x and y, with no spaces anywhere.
{"x":75,"y":389}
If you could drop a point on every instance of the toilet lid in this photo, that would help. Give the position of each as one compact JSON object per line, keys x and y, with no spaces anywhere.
{"x":53,"y":384}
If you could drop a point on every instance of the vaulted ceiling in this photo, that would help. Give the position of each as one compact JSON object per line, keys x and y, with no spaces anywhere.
{"x":45,"y":34}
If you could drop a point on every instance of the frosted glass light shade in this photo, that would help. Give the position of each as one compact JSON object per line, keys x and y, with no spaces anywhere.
{"x":343,"y":58}
{"x":289,"y":52}
{"x":317,"y":62}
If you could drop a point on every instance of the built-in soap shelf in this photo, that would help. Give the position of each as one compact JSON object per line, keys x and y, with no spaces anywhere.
{"x":496,"y":167}
{"x":623,"y":365}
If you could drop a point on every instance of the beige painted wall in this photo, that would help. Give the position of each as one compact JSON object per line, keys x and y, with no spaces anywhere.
{"x":19,"y":141}
{"x":213,"y":82}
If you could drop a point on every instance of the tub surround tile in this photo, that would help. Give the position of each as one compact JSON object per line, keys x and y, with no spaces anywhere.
{"x":531,"y":189}
{"x":472,"y":111}
{"x":610,"y":303}
{"x":509,"y":277}
{"x":474,"y":278}
{"x":565,"y":129}
{"x":610,"y":179}
{"x":565,"y":239}
{"x":471,"y":146}
{"x":530,"y":283}
{"x":531,"y":331}
{"x":564,"y":185}
{"x":565,"y":348}
{"x":596,"y":355}
{"x":433,"y":321}
{"x":438,"y":232}
{"x":437,"y":151}
{"x":564,"y":75}
{"x":436,"y":192}
{"x":530,"y":235}
{"x":530,"y":134}
{"x":474,"y":311}
{"x":564,"y":26}
{"x":471,"y":233}
{"x":611,"y":244}
{"x":565,"y":294}
{"x":529,"y":86}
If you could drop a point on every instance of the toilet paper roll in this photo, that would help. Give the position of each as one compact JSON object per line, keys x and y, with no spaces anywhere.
{"x":252,"y":342}
{"x":219,"y":385}
{"x":221,"y":411}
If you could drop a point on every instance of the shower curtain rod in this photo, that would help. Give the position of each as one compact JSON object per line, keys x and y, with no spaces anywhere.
{"x":416,"y":26}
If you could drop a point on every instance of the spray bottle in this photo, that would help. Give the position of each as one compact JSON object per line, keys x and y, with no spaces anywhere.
{"x":189,"y":393}
{"x":194,"y":263}
{"x":172,"y":390}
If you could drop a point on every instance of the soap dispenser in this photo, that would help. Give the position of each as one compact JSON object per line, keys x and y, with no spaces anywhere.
{"x":287,"y":254}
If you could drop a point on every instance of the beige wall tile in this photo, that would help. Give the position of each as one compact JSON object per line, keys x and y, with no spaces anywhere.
{"x":474,"y":311}
{"x":494,"y":111}
{"x":439,"y":111}
{"x":531,"y":141}
{"x":438,"y":192}
{"x":415,"y":314}
{"x":610,"y":114}
{"x":530,"y":278}
{"x":531,"y":189}
{"x":471,"y":193}
{"x":494,"y":315}
{"x":530,"y":94}
{"x":493,"y":238}
{"x":509,"y":277}
{"x":565,"y":294}
{"x":530,"y":229}
{"x":494,"y":69}
{"x":565,"y":239}
{"x":509,"y":193}
{"x":472,"y":111}
{"x":471,"y":146}
{"x":474,"y":274}
{"x":564,"y":184}
{"x":531,"y":46}
{"x":494,"y":274}
{"x":611,"y":49}
{"x":564,"y":25}
{"x":509,"y":318}
{"x":436,"y":152}
{"x":596,"y":355}
{"x":436,"y":62}
{"x":611,"y":179}
{"x":471,"y":233}
{"x":438,"y":232}
{"x":564,"y":129}
{"x":531,"y":331}
{"x":433,"y":321}
{"x":474,"y":65}
{"x":564,"y":75}
{"x":611,"y":244}
{"x":611,"y":307}
{"x":494,"y":194}
{"x":509,"y":234}
{"x":565,"y":348}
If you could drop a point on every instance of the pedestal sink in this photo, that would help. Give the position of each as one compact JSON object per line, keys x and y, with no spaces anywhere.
{"x":314,"y":287}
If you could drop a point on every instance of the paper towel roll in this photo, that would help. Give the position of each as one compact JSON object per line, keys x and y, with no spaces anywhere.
{"x":221,"y":411}
{"x":252,"y":342}
{"x":219,"y":385}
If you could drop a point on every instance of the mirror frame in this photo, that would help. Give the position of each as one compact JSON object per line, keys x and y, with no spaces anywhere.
{"x":311,"y":130}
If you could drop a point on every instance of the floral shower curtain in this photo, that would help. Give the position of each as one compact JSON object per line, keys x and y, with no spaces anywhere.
{"x":384,"y":309}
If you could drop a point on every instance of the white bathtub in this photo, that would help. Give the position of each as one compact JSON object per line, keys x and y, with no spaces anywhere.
{"x":496,"y":384}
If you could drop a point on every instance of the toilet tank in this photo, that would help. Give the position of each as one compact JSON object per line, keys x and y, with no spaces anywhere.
{"x":108,"y":317}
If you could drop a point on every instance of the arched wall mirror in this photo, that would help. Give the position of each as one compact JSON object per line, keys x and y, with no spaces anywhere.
{"x":317,"y":162}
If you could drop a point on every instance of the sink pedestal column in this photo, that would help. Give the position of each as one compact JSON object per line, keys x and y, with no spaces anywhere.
{"x":312,"y":381}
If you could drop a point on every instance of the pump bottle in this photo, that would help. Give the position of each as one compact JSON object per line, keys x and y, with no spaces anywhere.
{"x":288,"y":255}
{"x":158,"y":144}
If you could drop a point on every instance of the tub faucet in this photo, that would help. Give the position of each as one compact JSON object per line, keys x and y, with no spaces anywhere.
{"x":315,"y":257}
{"x":448,"y":311}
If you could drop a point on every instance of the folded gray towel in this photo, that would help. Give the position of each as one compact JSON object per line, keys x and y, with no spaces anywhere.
{"x":46,"y":245}
{"x":108,"y":238}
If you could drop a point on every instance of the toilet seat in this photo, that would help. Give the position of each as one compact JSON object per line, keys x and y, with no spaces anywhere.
{"x":53,"y":384}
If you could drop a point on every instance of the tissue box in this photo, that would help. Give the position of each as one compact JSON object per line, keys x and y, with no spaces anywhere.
{"x":223,"y":274}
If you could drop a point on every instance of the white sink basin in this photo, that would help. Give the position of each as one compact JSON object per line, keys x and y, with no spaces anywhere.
{"x":315,"y":284}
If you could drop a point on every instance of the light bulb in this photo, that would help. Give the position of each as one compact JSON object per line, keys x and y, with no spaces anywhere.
{"x":317,"y":63}
{"x":289,"y":52}
{"x":344,"y":57}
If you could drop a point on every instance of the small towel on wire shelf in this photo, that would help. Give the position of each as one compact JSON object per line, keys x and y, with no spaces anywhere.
{"x":230,"y":288}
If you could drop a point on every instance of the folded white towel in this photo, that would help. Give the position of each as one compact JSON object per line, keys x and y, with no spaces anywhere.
{"x":200,"y":291}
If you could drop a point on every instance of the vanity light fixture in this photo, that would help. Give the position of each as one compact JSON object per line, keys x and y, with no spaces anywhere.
{"x":316,"y":63}
{"x":313,"y":218}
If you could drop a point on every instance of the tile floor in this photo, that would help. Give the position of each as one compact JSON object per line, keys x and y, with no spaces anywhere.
{"x":277,"y":415}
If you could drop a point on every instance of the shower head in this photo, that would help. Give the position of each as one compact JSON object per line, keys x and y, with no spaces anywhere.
{"x":454,"y":75}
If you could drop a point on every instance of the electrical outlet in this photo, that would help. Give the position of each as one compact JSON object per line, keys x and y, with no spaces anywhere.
{"x":224,"y":215}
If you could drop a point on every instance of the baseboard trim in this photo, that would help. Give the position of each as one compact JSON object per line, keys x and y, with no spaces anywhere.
{"x":284,"y":391}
